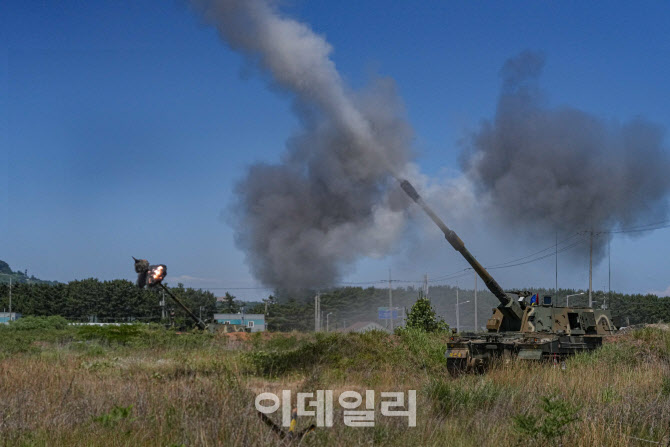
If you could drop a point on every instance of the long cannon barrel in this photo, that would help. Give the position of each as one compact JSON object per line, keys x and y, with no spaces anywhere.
{"x":457,"y":243}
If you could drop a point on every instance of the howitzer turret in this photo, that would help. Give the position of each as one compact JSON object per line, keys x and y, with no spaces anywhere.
{"x":517,"y":329}
{"x":509,"y":307}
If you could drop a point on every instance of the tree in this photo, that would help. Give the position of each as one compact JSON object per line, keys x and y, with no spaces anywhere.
{"x":229,"y":305}
{"x":290,"y":316}
{"x":422,"y":316}
{"x":264,"y":307}
{"x":4,"y":268}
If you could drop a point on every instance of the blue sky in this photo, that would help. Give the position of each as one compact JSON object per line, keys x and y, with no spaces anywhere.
{"x":124,"y":125}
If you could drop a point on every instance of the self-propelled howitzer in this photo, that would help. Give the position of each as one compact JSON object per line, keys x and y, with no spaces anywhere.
{"x":517,"y":328}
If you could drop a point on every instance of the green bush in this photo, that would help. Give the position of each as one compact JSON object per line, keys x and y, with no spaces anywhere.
{"x":275,"y":362}
{"x":14,"y":343}
{"x":20,"y":336}
{"x":552,"y":424}
{"x":115,"y":415}
{"x":353,"y":351}
{"x":426,"y":350}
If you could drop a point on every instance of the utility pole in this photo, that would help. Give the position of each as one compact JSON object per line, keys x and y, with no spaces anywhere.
{"x":609,"y":271}
{"x":458,"y":312}
{"x":391,"y":301}
{"x":10,"y":298}
{"x":458,"y":320}
{"x":556,"y":263}
{"x":163,"y":312}
{"x":425,"y":285}
{"x":198,"y":321}
{"x":317,"y":312}
{"x":476,"y":325}
{"x":591,"y":271}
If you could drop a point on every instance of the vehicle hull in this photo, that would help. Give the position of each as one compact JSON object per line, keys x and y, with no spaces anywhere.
{"x":477,"y":353}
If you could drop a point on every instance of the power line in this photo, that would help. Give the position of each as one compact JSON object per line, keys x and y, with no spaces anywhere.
{"x":524,"y":260}
{"x":239,"y":288}
{"x":552,"y":247}
{"x":367,"y":282}
{"x":515,"y":262}
{"x":637,"y":230}
{"x":574,"y":244}
{"x":645,"y":227}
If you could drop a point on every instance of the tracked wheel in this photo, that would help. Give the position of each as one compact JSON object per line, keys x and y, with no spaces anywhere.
{"x":456,"y":367}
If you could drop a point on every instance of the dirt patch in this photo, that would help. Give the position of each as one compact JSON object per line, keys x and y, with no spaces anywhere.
{"x":246,"y":336}
{"x":237,"y":336}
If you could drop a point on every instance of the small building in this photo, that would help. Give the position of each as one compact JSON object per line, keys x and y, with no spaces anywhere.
{"x":6,"y":317}
{"x":364,"y":326}
{"x":255,"y":322}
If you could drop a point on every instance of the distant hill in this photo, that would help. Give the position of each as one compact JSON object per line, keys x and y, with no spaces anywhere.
{"x":19,"y":277}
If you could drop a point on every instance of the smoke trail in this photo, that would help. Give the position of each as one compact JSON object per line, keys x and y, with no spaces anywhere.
{"x":560,"y":168}
{"x":328,"y":203}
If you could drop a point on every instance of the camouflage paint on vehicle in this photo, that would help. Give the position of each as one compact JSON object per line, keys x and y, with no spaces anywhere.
{"x":518,"y":329}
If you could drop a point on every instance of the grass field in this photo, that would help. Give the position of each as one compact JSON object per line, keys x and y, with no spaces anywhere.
{"x":143,"y":385}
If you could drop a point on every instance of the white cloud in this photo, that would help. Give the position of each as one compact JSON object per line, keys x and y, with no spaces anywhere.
{"x":195,"y":279}
{"x":665,"y":292}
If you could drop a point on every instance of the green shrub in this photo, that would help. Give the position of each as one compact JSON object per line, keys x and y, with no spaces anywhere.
{"x":14,"y":343}
{"x":324,"y":349}
{"x":115,"y":415}
{"x":426,"y":349}
{"x":337,"y":351}
{"x":552,"y":424}
{"x":20,"y":336}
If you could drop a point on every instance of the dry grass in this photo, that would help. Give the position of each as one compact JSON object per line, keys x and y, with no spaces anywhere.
{"x":157,"y":388}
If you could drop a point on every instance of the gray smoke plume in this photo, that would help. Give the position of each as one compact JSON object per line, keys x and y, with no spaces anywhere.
{"x":563,"y":169}
{"x":328,"y":203}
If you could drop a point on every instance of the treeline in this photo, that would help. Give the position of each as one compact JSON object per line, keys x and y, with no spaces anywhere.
{"x":120,"y":300}
{"x":104,"y":301}
{"x":347,"y":305}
